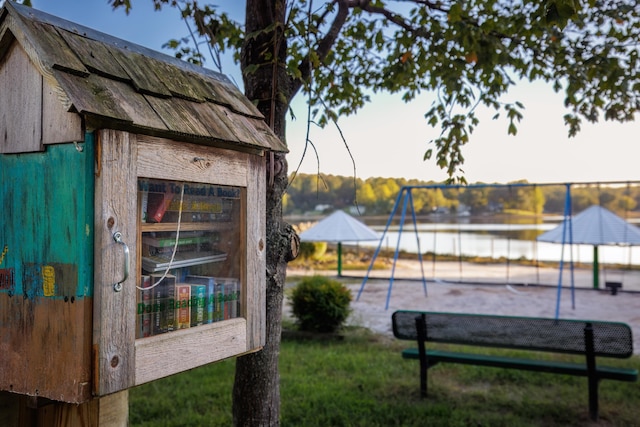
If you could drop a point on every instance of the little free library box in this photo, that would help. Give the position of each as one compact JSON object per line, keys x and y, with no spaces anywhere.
{"x":132,"y":238}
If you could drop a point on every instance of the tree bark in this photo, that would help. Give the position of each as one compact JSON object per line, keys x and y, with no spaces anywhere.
{"x":256,"y":391}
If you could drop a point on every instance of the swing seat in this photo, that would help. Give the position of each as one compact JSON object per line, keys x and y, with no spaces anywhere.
{"x":613,"y":287}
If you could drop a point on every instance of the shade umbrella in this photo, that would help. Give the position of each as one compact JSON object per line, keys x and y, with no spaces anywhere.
{"x":595,"y":226}
{"x":337,"y":228}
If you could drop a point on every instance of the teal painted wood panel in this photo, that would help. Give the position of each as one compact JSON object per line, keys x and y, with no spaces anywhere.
{"x":46,"y":232}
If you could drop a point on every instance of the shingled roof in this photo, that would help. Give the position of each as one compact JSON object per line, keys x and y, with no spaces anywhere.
{"x":115,"y":84}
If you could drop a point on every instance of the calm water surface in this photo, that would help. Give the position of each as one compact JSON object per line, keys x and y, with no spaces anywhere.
{"x":494,"y":239}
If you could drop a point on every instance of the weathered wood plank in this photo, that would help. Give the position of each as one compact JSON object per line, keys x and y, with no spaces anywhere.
{"x":108,"y":411}
{"x":162,"y":158}
{"x":94,"y":55}
{"x":180,"y":82}
{"x":217,"y":126}
{"x":235,"y":122}
{"x":133,"y":104}
{"x":113,"y":410}
{"x":58,"y":125}
{"x":114,"y":313}
{"x":46,"y":302}
{"x":232,"y":97}
{"x":179,"y":116}
{"x":259,"y":133}
{"x":255,"y":217}
{"x":63,"y":330}
{"x":90,"y":95}
{"x":141,"y":71}
{"x":20,"y":104}
{"x":167,"y":354}
{"x":6,"y":39}
{"x":47,"y":46}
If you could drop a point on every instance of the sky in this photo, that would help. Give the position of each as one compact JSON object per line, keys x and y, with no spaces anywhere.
{"x":388,"y":138}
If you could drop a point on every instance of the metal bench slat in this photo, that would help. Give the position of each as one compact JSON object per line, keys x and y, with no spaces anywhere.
{"x":611,"y":339}
{"x":576,"y":369}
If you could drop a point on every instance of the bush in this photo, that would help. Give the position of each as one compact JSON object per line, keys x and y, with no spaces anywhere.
{"x":320,"y":304}
{"x":312,"y":250}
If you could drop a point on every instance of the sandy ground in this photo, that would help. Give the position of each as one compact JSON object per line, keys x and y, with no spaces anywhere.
{"x":487,"y":292}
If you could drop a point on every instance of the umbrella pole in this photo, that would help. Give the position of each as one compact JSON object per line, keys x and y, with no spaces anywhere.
{"x":339,"y":259}
{"x":596,"y":268}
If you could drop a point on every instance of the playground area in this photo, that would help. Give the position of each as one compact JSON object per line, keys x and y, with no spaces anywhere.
{"x":485,"y":297}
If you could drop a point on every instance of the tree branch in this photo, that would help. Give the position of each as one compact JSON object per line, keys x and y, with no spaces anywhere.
{"x":393,"y":17}
{"x":324,"y":47}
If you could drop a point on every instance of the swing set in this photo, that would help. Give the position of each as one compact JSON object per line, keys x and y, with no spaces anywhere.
{"x":515,"y":203}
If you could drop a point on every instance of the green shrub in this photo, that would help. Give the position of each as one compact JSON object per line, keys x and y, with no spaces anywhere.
{"x":320,"y":304}
{"x":312,"y":250}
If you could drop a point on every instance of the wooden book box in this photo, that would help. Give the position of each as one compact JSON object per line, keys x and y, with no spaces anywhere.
{"x":132,"y":238}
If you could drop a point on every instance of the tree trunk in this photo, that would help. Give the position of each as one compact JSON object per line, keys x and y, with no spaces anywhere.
{"x":256,"y":392}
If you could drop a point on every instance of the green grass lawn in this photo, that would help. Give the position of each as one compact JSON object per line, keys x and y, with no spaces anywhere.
{"x":362,"y":380}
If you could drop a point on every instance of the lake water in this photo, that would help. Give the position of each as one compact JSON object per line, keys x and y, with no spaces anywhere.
{"x":495,"y":240}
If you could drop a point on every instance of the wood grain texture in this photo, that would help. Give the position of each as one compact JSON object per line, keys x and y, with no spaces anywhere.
{"x":114,"y":324}
{"x":20,"y":104}
{"x":134,"y":104}
{"x":140,"y":69}
{"x":54,"y":51}
{"x":94,"y":55}
{"x":44,"y":46}
{"x":166,"y":159}
{"x":255,"y":285}
{"x":167,"y":354}
{"x":183,"y":84}
{"x":178,"y":115}
{"x":58,"y":125}
{"x":89,"y":95}
{"x":46,"y":307}
{"x":140,"y":92}
{"x":107,"y":411}
{"x":61,"y":330}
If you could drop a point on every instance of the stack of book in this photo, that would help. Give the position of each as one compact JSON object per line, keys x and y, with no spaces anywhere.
{"x":169,"y":305}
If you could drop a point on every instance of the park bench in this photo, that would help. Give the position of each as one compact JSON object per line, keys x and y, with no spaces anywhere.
{"x":580,"y":337}
{"x":613,"y":287}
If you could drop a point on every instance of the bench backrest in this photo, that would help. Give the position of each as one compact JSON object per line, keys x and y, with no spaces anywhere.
{"x":611,"y":339}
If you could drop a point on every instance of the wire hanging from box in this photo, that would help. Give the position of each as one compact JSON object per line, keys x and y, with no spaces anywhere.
{"x":175,"y":246}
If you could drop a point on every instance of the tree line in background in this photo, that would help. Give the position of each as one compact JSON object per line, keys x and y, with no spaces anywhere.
{"x":377,"y":196}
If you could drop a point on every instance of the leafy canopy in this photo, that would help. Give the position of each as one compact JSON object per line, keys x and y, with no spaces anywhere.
{"x":469,"y":53}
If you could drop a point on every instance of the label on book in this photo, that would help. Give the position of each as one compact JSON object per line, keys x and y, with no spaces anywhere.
{"x":183,"y":306}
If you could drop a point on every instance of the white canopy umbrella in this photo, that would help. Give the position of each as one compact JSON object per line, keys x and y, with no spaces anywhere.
{"x":337,"y":228}
{"x":595,"y":226}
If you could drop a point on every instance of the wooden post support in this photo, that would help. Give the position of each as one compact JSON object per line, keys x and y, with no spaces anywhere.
{"x":107,"y":411}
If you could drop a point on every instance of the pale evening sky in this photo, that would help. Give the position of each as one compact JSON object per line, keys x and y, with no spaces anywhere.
{"x":388,"y":138}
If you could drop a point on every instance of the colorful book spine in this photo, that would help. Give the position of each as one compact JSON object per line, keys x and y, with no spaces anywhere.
{"x":144,"y":205}
{"x":145,"y":307}
{"x":157,"y":211}
{"x":231,"y":297}
{"x":210,"y":295}
{"x":235,"y":300}
{"x":163,"y":302}
{"x":220,"y":305}
{"x":230,"y":292}
{"x":198,"y":297}
{"x":182,"y":306}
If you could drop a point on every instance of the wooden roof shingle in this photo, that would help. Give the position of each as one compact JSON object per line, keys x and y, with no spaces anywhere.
{"x":114,"y":83}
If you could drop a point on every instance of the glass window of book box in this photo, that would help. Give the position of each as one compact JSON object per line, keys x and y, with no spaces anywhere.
{"x":191,"y":255}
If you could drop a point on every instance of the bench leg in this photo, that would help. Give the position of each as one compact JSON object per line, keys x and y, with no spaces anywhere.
{"x":591,"y":367}
{"x":421,"y":328}
{"x":423,"y":378}
{"x":593,"y":397}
